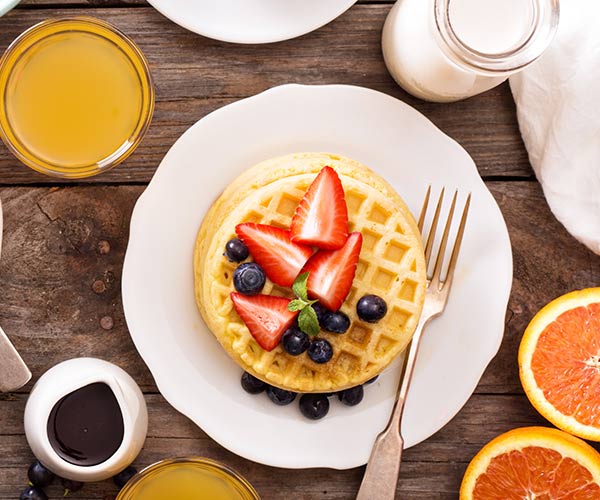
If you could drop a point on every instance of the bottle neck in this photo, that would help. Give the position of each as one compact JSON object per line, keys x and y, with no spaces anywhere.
{"x":495,"y":37}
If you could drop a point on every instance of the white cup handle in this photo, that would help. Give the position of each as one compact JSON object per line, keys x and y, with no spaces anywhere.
{"x":6,"y":5}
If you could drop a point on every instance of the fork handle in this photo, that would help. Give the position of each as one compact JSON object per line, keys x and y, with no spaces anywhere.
{"x":381,"y":474}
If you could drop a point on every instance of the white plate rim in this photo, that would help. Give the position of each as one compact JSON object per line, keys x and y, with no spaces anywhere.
{"x":214,"y":432}
{"x":240,"y":38}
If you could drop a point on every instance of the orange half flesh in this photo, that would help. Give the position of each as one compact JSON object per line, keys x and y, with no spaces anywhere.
{"x":559,"y":362}
{"x":533,"y":463}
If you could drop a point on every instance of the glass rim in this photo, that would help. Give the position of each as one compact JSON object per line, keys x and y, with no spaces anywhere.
{"x":24,"y":40}
{"x":546,"y":15}
{"x":139,"y":476}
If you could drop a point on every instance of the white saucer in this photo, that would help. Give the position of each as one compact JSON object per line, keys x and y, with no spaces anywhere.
{"x":251,"y":21}
{"x":191,"y":369}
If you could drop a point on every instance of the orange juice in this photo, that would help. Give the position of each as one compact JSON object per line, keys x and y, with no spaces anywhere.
{"x":188,"y":479}
{"x":77,"y":97}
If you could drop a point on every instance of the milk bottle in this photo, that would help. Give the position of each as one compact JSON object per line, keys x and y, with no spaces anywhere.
{"x":446,"y":50}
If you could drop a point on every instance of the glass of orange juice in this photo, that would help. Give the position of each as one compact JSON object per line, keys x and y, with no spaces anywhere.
{"x":191,"y":478}
{"x":76,"y":97}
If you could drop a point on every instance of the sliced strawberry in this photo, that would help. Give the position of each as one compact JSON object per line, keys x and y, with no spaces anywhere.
{"x":272,"y":248}
{"x":332,"y":272}
{"x":321,"y":218}
{"x":266,"y":316}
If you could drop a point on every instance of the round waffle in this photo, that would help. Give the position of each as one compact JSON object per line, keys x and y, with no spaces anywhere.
{"x":391,"y":265}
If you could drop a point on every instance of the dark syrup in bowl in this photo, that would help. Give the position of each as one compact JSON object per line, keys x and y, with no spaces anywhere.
{"x":86,"y":427}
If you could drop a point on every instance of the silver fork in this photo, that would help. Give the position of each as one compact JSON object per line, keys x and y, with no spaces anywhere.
{"x":381,"y":475}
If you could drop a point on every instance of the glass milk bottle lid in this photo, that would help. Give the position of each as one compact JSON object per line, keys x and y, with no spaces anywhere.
{"x":495,"y":36}
{"x":86,"y":419}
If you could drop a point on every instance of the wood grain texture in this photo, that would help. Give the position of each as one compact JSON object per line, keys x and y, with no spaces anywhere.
{"x":195,"y":75}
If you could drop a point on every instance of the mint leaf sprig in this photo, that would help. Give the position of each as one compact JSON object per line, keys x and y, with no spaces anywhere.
{"x":307,"y":319}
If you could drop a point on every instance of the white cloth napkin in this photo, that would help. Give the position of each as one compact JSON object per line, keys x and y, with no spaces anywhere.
{"x":558,"y":108}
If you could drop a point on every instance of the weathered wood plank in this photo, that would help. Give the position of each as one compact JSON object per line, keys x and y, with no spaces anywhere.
{"x":432,"y":469}
{"x":482,"y":418}
{"x":195,"y":75}
{"x":548,"y":262}
{"x":62,"y":260}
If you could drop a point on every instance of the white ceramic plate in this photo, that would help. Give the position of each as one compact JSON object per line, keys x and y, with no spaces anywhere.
{"x":251,"y":21}
{"x":191,"y":369}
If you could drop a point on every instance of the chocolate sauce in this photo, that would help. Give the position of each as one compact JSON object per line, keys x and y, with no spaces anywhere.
{"x":86,"y":426}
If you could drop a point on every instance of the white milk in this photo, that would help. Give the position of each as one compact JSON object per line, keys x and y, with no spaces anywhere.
{"x":412,"y":44}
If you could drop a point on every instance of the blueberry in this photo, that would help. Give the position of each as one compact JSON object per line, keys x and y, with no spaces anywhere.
{"x":371,"y":380}
{"x":352,"y":396}
{"x":236,"y":251}
{"x":320,"y":311}
{"x":33,"y":493}
{"x":295,"y":341}
{"x":249,"y":278}
{"x":314,"y":406}
{"x":280,"y":397}
{"x":39,"y":475}
{"x":336,"y":322}
{"x":251,"y":384}
{"x":371,"y":308}
{"x":124,"y":476}
{"x":71,"y":486}
{"x":320,"y":351}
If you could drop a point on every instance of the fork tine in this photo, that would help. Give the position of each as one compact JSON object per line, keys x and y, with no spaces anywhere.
{"x":434,"y":224}
{"x":424,"y":209}
{"x":442,"y":250}
{"x":458,"y":241}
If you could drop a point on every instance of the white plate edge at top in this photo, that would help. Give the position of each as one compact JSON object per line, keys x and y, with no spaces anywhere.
{"x":215,"y":34}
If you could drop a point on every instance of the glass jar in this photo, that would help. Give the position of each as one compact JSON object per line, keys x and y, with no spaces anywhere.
{"x":76,"y":97}
{"x":191,"y":477}
{"x":447,"y":50}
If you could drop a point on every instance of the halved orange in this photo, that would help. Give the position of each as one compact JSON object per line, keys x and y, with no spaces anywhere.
{"x":533,"y":463}
{"x":559,"y":362}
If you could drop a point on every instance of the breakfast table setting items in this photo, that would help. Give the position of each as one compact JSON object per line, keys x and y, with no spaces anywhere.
{"x":86,"y":421}
{"x":447,"y":50}
{"x":298,"y":281}
{"x":557,"y":99}
{"x":14,"y":373}
{"x":186,"y":355}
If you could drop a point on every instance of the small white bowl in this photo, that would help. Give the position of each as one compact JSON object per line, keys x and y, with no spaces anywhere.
{"x":67,"y":377}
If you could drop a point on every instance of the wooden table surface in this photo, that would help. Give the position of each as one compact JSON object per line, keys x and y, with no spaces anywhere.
{"x":64,"y":242}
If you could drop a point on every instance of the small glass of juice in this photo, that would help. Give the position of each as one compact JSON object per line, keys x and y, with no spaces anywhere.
{"x":76,"y":97}
{"x":191,"y":478}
